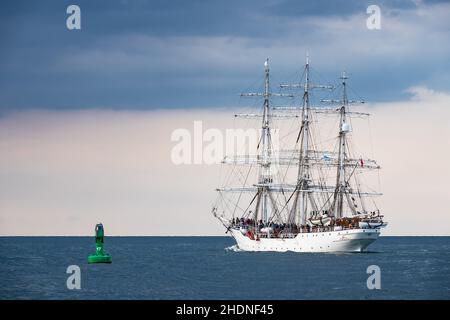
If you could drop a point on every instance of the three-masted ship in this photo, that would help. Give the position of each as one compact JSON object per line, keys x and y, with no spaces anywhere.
{"x":302,"y":199}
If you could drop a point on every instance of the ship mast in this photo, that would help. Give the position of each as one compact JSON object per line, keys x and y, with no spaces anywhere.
{"x":264,"y":187}
{"x":265,"y":174}
{"x":303,"y":169}
{"x":303,"y":176}
{"x":344,"y":128}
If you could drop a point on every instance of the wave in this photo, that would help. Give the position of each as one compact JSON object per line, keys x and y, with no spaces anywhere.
{"x":233,"y":248}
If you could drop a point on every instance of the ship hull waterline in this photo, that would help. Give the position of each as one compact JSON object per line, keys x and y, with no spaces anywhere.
{"x":352,"y":240}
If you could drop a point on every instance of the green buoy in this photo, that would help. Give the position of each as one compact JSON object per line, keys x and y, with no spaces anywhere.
{"x":99,"y":256}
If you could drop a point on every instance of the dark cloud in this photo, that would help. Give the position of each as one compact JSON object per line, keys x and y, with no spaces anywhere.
{"x":177,"y":53}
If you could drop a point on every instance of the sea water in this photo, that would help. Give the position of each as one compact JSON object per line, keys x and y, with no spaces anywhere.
{"x":213,"y":268}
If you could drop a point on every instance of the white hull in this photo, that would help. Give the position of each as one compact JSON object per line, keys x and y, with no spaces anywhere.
{"x":352,"y":240}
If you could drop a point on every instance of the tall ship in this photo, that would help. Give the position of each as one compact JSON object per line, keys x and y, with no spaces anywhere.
{"x":289,"y":193}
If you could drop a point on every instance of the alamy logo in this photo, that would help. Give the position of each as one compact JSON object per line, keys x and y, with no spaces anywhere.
{"x":374,"y":280}
{"x":74,"y":280}
{"x":73,"y":21}
{"x":210,"y":146}
{"x":373,"y":22}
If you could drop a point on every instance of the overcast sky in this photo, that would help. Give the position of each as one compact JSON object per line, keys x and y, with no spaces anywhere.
{"x":183,"y":54}
{"x":62,"y":172}
{"x":86,"y":115}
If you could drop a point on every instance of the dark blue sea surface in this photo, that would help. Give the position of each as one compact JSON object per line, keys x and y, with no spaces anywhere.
{"x":207,"y":268}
